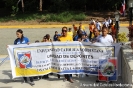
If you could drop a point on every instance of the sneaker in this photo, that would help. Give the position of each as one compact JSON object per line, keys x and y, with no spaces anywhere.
{"x":32,"y":83}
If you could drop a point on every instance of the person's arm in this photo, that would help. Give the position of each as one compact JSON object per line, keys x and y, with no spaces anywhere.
{"x":71,"y":39}
{"x":54,"y":38}
{"x":111,"y":39}
{"x":50,"y":40}
{"x":15,"y":42}
{"x":58,"y":38}
{"x":28,"y":42}
{"x":87,"y":40}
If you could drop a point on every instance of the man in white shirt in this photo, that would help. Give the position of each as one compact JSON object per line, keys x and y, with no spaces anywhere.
{"x":106,"y":23}
{"x":109,"y":20}
{"x":98,"y":25}
{"x":105,"y":38}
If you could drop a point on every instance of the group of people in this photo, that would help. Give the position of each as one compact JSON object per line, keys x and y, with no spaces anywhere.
{"x":103,"y":33}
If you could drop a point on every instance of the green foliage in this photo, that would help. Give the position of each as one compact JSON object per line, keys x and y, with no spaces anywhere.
{"x":122,"y":37}
{"x":57,"y":17}
{"x":79,"y":17}
{"x":10,"y":3}
{"x":14,"y":10}
{"x":65,"y":17}
{"x":65,"y":5}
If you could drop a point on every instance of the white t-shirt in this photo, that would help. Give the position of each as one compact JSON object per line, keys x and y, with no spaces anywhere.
{"x":98,"y":25}
{"x":109,"y":21}
{"x":106,"y":40}
{"x":92,"y":21}
{"x":106,"y":23}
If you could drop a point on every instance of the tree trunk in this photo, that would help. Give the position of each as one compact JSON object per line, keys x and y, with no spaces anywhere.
{"x":22,"y":5}
{"x":40,"y":5}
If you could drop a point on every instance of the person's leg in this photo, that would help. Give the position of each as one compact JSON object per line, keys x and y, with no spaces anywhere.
{"x":97,"y":79}
{"x":40,"y":77}
{"x":32,"y":81}
{"x":25,"y":79}
{"x":70,"y":78}
{"x":58,"y":76}
{"x":90,"y":35}
{"x":45,"y":76}
{"x":66,"y":77}
{"x":36,"y":77}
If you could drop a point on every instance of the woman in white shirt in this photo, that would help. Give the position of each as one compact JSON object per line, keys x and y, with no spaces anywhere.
{"x":105,"y":38}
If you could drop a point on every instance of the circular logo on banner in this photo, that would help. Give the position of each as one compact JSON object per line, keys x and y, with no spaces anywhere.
{"x":24,"y":60}
{"x":107,"y":69}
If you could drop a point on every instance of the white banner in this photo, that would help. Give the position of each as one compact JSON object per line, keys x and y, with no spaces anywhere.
{"x":58,"y":57}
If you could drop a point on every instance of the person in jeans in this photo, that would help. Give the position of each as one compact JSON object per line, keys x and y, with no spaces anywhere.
{"x":23,"y":40}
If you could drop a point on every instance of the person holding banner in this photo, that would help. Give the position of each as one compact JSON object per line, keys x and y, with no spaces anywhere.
{"x":23,"y":40}
{"x":105,"y":38}
{"x":62,"y":38}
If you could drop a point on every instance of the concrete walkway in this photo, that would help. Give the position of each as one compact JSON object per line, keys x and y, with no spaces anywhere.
{"x":53,"y":82}
{"x":7,"y":37}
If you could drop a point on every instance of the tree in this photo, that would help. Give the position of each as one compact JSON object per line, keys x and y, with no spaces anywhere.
{"x":40,"y":5}
{"x":22,"y":5}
